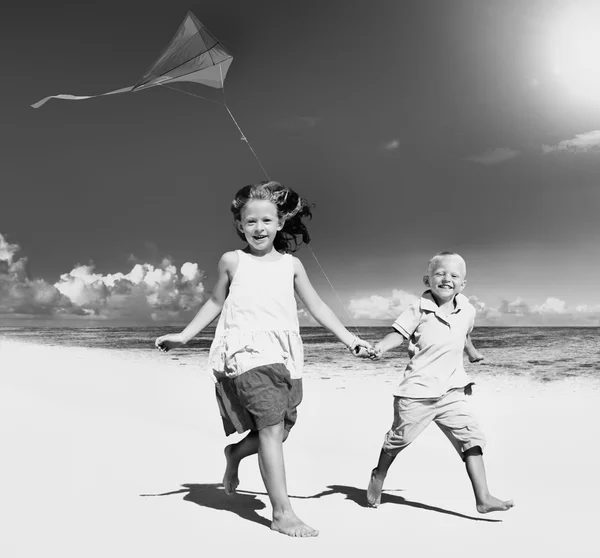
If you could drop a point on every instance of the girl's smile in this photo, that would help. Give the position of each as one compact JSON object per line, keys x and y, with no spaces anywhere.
{"x":260,"y":224}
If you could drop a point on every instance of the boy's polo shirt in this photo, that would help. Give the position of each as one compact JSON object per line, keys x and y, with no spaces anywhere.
{"x":435,"y":347}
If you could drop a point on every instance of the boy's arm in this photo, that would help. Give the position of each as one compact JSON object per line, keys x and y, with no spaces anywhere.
{"x":390,"y":341}
{"x":473,"y":354}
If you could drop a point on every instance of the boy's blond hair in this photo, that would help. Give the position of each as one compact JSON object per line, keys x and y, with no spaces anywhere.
{"x":442,"y":255}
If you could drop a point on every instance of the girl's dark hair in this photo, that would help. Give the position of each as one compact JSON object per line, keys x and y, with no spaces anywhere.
{"x":291,"y":208}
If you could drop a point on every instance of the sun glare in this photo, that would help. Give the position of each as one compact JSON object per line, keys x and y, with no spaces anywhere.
{"x":575,"y":49}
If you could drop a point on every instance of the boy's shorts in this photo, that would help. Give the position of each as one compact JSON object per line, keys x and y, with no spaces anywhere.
{"x":261,"y":397}
{"x":450,"y":412}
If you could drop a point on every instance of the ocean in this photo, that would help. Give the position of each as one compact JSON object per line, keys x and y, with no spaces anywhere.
{"x":540,"y":353}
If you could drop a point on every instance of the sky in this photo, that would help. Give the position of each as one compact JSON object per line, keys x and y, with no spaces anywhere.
{"x":413,"y":126}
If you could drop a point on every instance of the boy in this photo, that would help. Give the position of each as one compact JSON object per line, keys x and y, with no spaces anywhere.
{"x":435,"y":381}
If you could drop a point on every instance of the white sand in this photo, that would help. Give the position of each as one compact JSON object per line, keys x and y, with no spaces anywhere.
{"x":86,"y":433}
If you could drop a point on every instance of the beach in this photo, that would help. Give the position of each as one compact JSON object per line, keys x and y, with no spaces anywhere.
{"x":120,"y":453}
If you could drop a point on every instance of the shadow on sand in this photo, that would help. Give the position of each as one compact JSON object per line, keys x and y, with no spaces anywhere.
{"x":358,"y":496}
{"x":245,"y":504}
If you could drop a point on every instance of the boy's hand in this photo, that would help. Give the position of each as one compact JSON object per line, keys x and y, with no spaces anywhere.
{"x":376,"y":353}
{"x":476,"y":357}
{"x":167,"y":342}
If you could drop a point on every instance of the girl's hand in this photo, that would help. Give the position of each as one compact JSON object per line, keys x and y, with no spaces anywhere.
{"x":361,"y":348}
{"x":165,"y":343}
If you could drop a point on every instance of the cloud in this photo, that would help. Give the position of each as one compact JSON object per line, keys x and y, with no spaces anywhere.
{"x":146,"y":292}
{"x":377,"y":307}
{"x":23,"y":296}
{"x":299,"y":122}
{"x":581,"y":143}
{"x":309,"y":121}
{"x":551,"y":306}
{"x":391,"y":145}
{"x":552,"y":312}
{"x":494,"y":156}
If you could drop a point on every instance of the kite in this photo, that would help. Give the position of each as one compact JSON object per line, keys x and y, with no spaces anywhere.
{"x":193,"y":55}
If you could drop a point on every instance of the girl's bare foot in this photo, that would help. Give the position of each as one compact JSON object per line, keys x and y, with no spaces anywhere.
{"x":493,"y":504}
{"x":230,"y":478}
{"x":291,"y":525}
{"x":374,"y":489}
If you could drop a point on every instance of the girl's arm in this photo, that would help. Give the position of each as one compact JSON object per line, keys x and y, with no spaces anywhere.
{"x":211,"y":308}
{"x":320,"y":311}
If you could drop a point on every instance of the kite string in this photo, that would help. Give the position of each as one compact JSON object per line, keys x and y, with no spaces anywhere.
{"x":333,"y":289}
{"x":311,"y":250}
{"x":189,"y":93}
{"x":244,"y":138}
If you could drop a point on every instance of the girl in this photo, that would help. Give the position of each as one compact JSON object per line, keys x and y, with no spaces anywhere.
{"x":257,"y":354}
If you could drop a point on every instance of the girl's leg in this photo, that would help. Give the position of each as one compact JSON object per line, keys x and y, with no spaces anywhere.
{"x":272,"y":469}
{"x":234,"y":453}
{"x":484,"y":501}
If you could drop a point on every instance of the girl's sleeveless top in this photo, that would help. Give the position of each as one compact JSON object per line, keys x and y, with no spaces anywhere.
{"x":258,"y":324}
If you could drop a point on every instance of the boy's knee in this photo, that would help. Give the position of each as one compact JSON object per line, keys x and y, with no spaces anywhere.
{"x":475,"y":450}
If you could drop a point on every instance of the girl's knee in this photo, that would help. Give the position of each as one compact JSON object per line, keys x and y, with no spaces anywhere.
{"x":273,"y":430}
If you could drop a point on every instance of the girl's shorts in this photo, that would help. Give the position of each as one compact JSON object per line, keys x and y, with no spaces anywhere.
{"x":261,"y":397}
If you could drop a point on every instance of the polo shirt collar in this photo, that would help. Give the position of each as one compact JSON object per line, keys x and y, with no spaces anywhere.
{"x":428,"y":302}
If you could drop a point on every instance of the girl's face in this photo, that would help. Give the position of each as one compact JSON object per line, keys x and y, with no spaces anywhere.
{"x":259,"y":224}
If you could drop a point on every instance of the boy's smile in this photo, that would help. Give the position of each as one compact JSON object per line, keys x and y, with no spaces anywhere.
{"x":446,"y":279}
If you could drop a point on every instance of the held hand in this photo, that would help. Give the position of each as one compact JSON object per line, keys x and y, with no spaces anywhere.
{"x":167,"y":342}
{"x":362,"y":349}
{"x":376,"y":352}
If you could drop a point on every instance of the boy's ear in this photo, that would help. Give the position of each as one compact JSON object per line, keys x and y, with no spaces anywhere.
{"x":462,"y":287}
{"x":426,"y":280}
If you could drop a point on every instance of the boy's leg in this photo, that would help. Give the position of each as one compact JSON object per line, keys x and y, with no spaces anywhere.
{"x":234,"y":453}
{"x":272,"y":469}
{"x":484,"y":501}
{"x":377,"y":477}
{"x":455,"y":420}
{"x":411,"y":417}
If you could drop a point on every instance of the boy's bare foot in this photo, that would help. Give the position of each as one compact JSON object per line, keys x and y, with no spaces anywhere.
{"x":493,"y":504}
{"x":374,"y":490}
{"x":477,"y":357}
{"x":291,"y":525}
{"x":230,"y":478}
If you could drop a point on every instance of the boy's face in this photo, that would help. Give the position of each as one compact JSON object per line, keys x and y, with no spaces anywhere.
{"x":446,"y":278}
